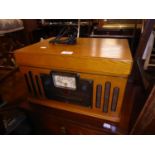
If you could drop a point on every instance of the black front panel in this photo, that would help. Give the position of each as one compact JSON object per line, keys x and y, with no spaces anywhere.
{"x":82,"y":95}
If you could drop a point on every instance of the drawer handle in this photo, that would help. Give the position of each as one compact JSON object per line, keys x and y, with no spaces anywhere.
{"x":63,"y":130}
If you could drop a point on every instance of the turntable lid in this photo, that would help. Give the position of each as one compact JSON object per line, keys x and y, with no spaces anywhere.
{"x":91,"y":54}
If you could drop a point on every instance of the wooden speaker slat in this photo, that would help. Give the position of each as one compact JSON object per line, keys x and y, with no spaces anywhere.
{"x":38,"y":85}
{"x":98,"y":95}
{"x":32,"y":82}
{"x":27,"y":83}
{"x":114,"y":99}
{"x":106,"y":96}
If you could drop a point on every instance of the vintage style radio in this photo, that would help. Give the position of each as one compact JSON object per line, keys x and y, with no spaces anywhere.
{"x":87,"y":78}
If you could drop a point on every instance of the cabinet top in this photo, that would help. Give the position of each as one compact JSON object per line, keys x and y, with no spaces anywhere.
{"x":85,"y":47}
{"x":93,"y":55}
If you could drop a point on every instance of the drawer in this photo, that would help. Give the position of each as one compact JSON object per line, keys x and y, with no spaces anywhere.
{"x":60,"y":126}
{"x":59,"y":122}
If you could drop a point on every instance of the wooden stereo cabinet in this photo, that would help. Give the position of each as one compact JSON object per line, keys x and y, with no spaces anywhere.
{"x":88,"y":78}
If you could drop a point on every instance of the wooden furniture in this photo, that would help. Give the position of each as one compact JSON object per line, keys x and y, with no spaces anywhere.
{"x":12,"y":93}
{"x":30,"y":25}
{"x":13,"y":89}
{"x":148,"y":27}
{"x":145,"y":121}
{"x":104,"y":61}
{"x":143,"y":125}
{"x":148,"y":55}
{"x":10,"y":31}
{"x":9,"y":28}
{"x":119,"y":28}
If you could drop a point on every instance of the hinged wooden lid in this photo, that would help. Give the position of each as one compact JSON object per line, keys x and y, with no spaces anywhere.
{"x":92,"y":55}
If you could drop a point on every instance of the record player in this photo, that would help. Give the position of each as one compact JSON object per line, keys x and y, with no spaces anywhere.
{"x":87,"y":78}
